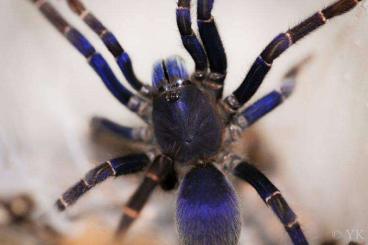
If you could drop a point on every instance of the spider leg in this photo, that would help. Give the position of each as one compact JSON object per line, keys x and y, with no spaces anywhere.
{"x":273,"y":198}
{"x":154,"y":175}
{"x":189,"y":38}
{"x":112,"y":44}
{"x":170,"y":181}
{"x":139,"y":134}
{"x":277,"y":46}
{"x":115,"y":167}
{"x":213,"y":46}
{"x":251,"y":114}
{"x":96,"y":61}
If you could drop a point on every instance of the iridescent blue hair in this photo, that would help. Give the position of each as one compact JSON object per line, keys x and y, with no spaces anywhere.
{"x":207,"y":209}
{"x":169,"y":71}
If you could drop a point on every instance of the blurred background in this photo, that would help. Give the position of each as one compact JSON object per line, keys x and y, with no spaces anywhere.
{"x":314,"y":147}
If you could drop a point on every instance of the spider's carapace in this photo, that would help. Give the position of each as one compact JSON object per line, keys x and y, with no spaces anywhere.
{"x":186,"y":122}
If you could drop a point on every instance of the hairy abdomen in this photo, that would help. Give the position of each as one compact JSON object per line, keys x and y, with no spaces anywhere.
{"x":207,"y":209}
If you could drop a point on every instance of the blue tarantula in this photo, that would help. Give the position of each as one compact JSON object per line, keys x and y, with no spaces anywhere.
{"x":190,"y":125}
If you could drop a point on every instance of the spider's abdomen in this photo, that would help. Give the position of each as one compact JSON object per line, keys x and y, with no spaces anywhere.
{"x":188,"y":127}
{"x":207,"y":209}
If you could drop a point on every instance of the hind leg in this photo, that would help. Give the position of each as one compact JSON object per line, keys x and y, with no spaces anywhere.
{"x":273,"y":198}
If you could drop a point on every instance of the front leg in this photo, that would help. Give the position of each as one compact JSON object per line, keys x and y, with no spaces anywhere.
{"x":189,"y":38}
{"x":277,"y":46}
{"x":96,"y":60}
{"x":113,"y":45}
{"x":213,"y":45}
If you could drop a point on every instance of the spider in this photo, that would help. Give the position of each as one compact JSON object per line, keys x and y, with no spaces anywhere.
{"x":190,"y":126}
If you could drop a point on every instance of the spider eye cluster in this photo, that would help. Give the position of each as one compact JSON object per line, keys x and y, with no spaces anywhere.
{"x":171,"y":91}
{"x":169,"y":76}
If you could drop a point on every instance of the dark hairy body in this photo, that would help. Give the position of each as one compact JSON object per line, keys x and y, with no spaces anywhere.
{"x":188,"y":129}
{"x":190,"y":125}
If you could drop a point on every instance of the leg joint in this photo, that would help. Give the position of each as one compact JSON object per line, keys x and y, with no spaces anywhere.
{"x":61,"y":204}
{"x":153,"y":177}
{"x":273,"y":195}
{"x":113,"y":171}
{"x":292,"y":224}
{"x":132,"y":213}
